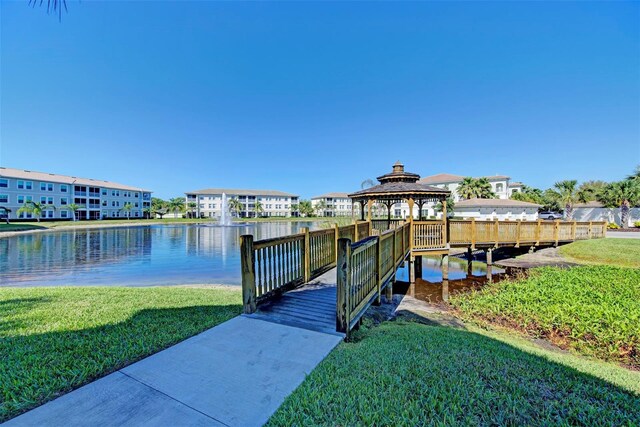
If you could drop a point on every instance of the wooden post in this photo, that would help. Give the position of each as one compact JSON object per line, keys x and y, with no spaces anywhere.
{"x":369,"y":205}
{"x":336,"y":229}
{"x":378,"y":270}
{"x":473,"y":233}
{"x":590,"y":224}
{"x":469,"y":261}
{"x":247,"y":261}
{"x":518,"y":228}
{"x":307,"y":254}
{"x":445,"y":224}
{"x":573,"y":230}
{"x":556,"y":230}
{"x":489,"y":253}
{"x":418,"y":267}
{"x":412,"y":276}
{"x":496,"y":230}
{"x":411,"y":231}
{"x":343,"y":273}
{"x":538,"y":227}
{"x":389,"y":289}
{"x":445,"y":267}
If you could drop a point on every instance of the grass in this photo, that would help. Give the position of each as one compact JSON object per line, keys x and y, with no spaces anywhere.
{"x":53,"y":340}
{"x":594,"y":310}
{"x":410,"y":374}
{"x":20,"y":227}
{"x":620,"y":252}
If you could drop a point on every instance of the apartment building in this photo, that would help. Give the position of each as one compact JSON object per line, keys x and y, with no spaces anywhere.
{"x":334,"y":204}
{"x":96,"y":199}
{"x":252,"y":203}
{"x":499,"y":184}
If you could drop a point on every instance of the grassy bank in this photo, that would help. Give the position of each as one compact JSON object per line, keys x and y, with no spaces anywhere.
{"x":594,"y":310}
{"x":20,"y":227}
{"x":101,"y":223}
{"x":411,"y":374}
{"x":53,"y":340}
{"x":621,"y":252}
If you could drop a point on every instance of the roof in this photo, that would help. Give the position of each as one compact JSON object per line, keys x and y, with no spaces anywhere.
{"x":515,"y":184}
{"x":592,"y":204}
{"x":443,"y":178}
{"x":64,"y":179}
{"x":242,"y":192}
{"x":400,"y":184}
{"x":498,"y":203}
{"x":332,"y":196}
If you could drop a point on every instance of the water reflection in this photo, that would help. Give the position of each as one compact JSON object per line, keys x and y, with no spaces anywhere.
{"x":132,"y":256}
{"x":432,"y":288}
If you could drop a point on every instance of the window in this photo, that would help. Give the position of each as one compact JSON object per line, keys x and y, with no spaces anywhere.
{"x":104,"y":192}
{"x":21,"y":185}
{"x":64,"y":188}
{"x":64,"y":214}
{"x":28,"y":185}
{"x":49,"y":200}
{"x":25,"y":215}
{"x":4,"y":198}
{"x":21,"y":200}
{"x":515,"y":190}
{"x":4,"y":183}
{"x":43,"y":200}
{"x":499,"y":188}
{"x":63,"y":200}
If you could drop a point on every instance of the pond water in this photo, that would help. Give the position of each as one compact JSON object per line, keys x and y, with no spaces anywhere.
{"x":431,"y":287}
{"x":132,"y":256}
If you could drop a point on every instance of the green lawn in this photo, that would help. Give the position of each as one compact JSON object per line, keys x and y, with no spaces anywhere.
{"x":53,"y":340}
{"x":594,"y":310}
{"x":621,"y":252}
{"x":20,"y":227}
{"x":409,"y":374}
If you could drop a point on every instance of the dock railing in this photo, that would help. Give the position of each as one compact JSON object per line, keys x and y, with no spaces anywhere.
{"x":271,"y":267}
{"x":364,"y":270}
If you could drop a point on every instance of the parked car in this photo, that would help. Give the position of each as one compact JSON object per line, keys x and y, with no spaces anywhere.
{"x":549,"y":215}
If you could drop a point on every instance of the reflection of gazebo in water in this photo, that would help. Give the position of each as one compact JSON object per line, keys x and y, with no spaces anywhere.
{"x":397,"y":187}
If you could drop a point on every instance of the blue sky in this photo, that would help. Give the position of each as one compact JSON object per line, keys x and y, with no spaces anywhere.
{"x":315,"y":97}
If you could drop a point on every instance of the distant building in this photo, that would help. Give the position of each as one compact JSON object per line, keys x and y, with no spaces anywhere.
{"x":97,"y":199}
{"x":492,"y":209}
{"x":271,"y":203}
{"x":334,"y":204}
{"x":499,"y":184}
{"x":596,"y":211}
{"x":515,"y":187}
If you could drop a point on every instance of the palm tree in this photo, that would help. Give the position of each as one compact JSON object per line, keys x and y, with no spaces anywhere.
{"x":258,"y":209}
{"x":320,"y":207}
{"x":305,"y":207}
{"x":635,"y":176}
{"x":176,"y":205}
{"x":235,"y":206}
{"x":34,"y":208}
{"x":74,"y":208}
{"x":147,"y":212}
{"x":367,"y":183}
{"x":158,"y":207}
{"x":566,"y":194}
{"x":622,"y":194}
{"x":471,"y":188}
{"x":127,"y":210}
{"x":450,"y":206}
{"x":588,"y":191}
{"x":6,"y":212}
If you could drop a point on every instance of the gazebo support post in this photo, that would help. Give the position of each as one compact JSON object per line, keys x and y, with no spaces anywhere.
{"x":388,"y":215}
{"x":418,"y":266}
{"x":362,"y":211}
{"x":369,"y":206}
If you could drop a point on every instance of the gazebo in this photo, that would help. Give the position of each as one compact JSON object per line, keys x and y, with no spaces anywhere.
{"x":397,"y":187}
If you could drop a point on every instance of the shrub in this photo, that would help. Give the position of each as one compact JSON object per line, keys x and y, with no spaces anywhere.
{"x":594,"y":310}
{"x":612,"y":226}
{"x":636,"y":224}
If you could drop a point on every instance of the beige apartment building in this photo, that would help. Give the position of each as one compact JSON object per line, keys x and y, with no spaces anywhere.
{"x":253,"y":203}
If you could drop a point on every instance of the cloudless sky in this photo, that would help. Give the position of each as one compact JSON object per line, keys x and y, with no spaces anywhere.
{"x":312,"y":97}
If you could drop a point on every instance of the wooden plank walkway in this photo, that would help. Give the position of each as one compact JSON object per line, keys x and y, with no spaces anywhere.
{"x":311,"y":306}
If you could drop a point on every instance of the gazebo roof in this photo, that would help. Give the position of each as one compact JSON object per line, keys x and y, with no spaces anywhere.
{"x":399,"y":185}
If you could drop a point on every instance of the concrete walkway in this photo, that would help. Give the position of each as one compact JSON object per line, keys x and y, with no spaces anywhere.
{"x":235,"y":374}
{"x":623,"y":235}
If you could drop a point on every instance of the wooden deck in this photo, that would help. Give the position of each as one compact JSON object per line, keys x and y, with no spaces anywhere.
{"x":311,"y":306}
